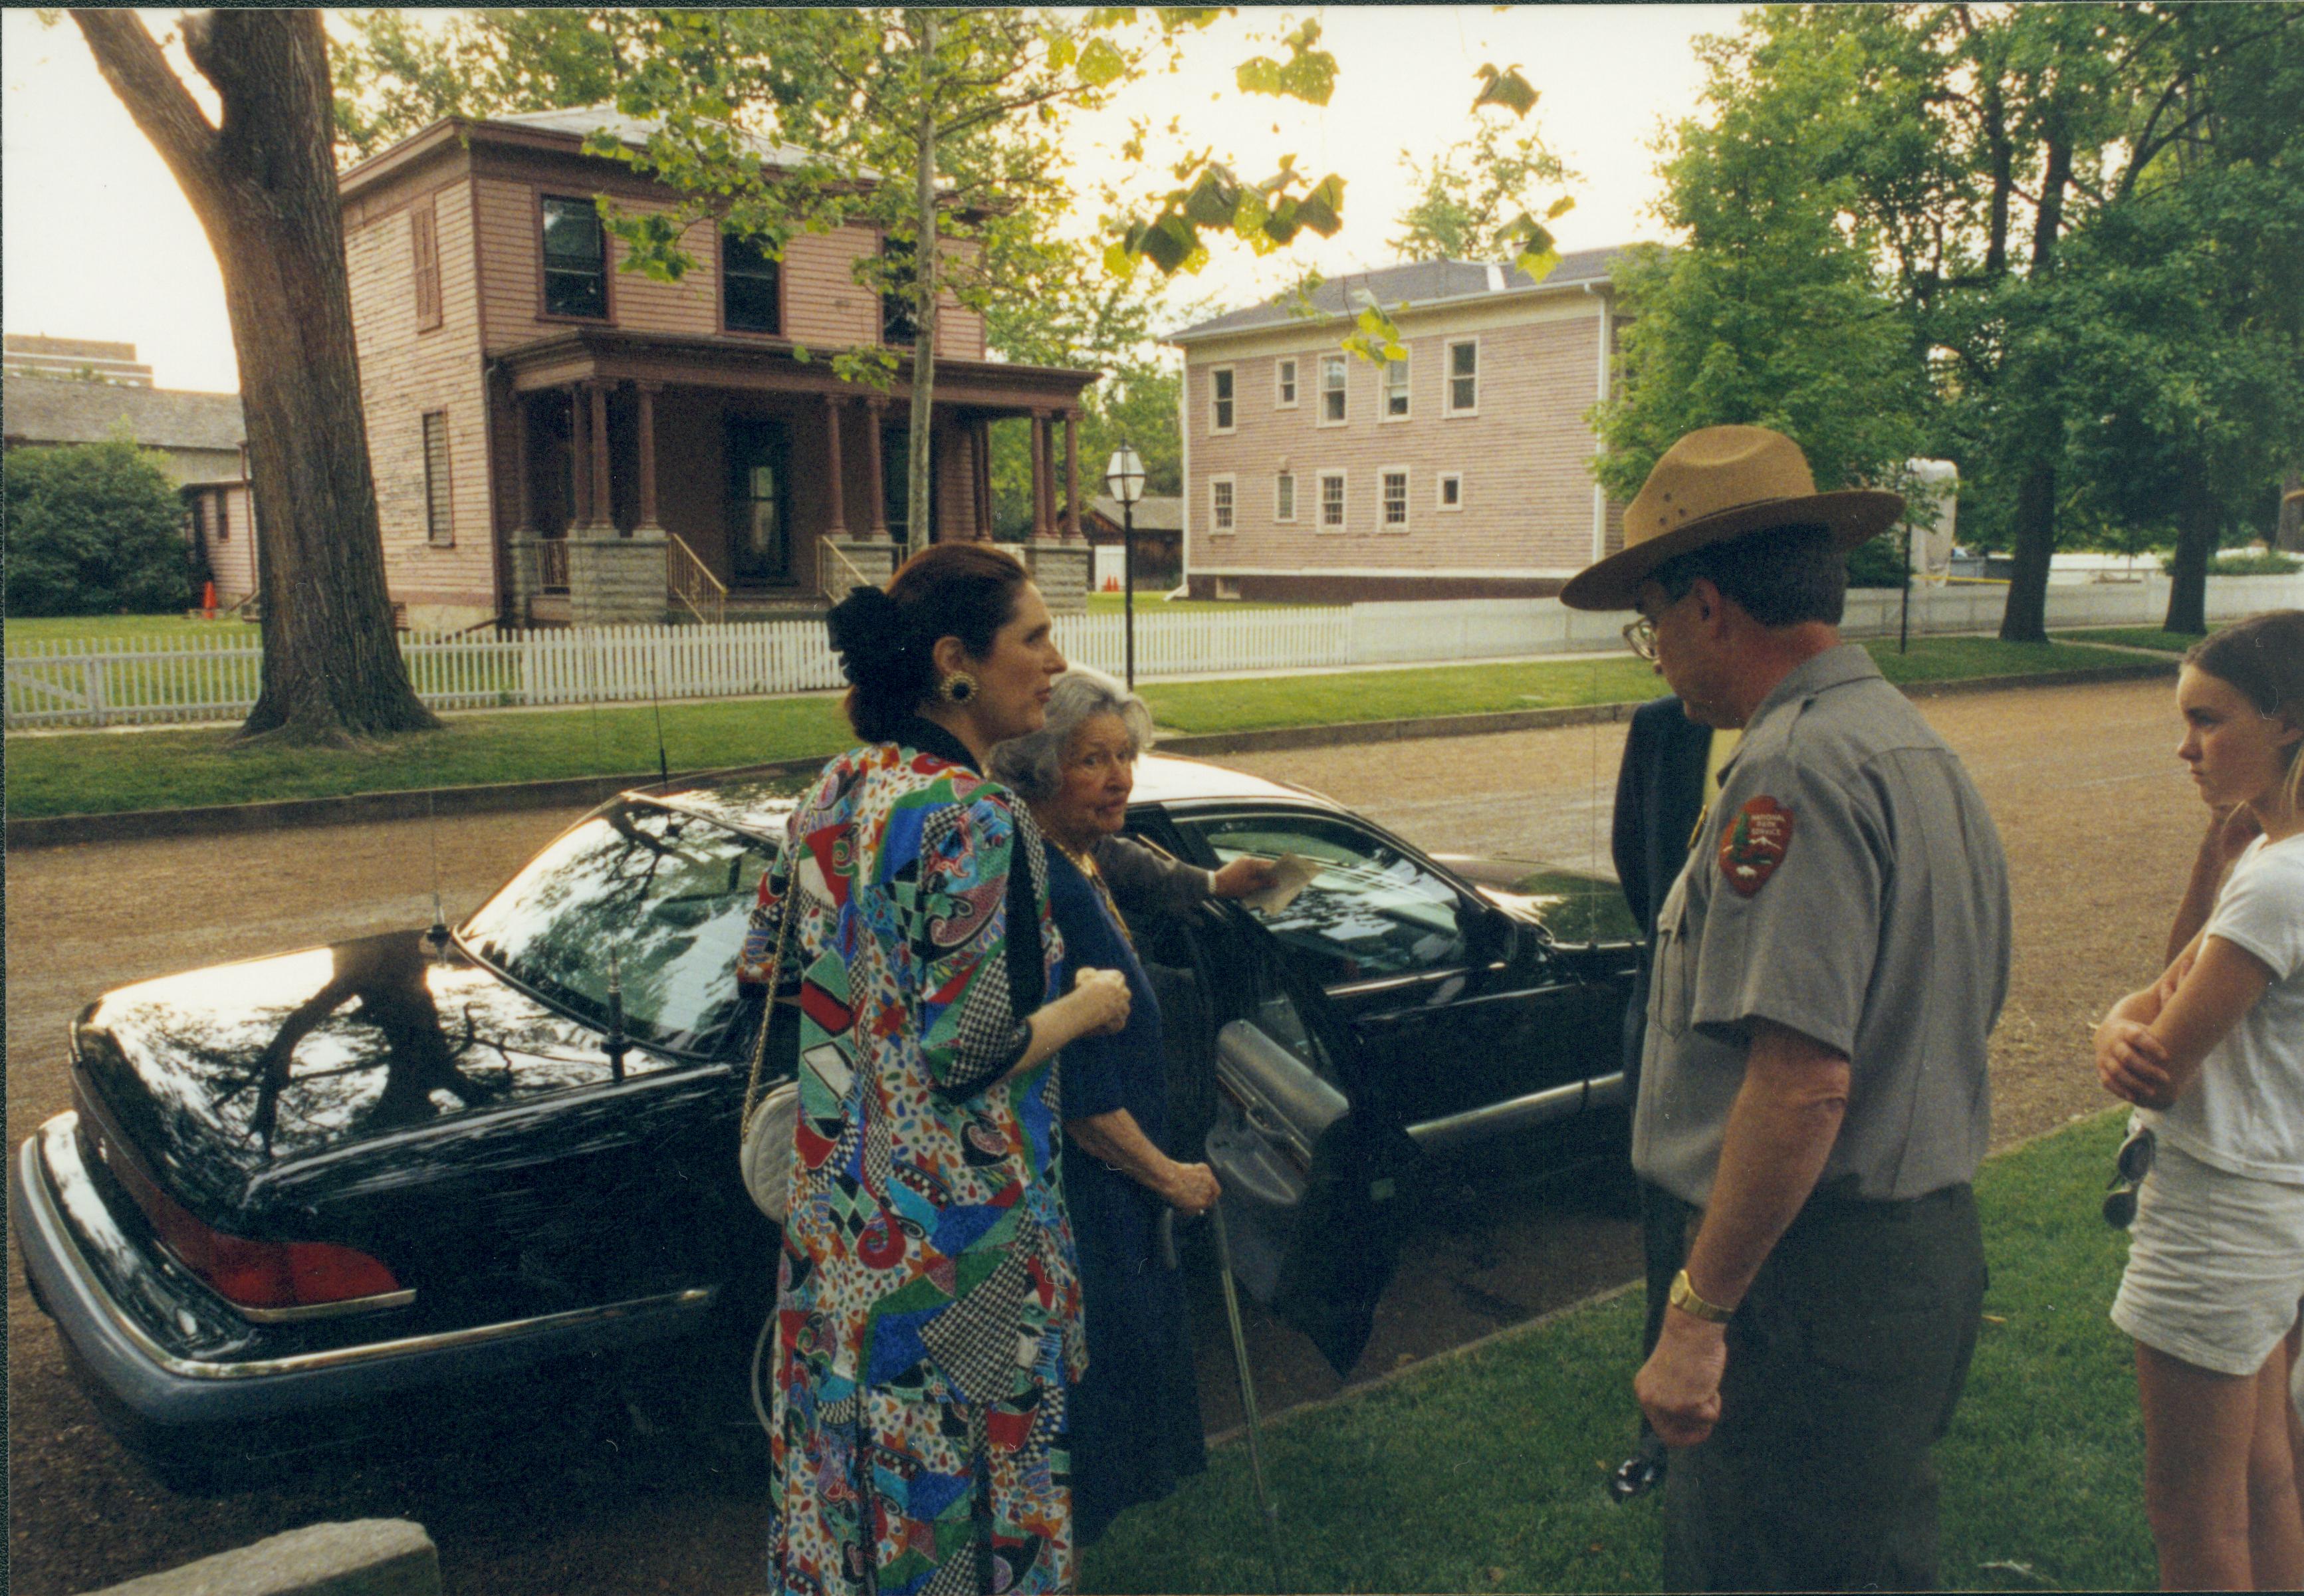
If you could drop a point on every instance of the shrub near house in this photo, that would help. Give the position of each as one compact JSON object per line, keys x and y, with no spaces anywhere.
{"x":93,"y":528}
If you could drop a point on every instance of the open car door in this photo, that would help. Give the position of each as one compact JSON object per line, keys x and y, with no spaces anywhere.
{"x":1311,"y":1167}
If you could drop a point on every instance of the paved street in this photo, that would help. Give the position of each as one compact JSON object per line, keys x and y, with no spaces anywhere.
{"x":2100,"y":823}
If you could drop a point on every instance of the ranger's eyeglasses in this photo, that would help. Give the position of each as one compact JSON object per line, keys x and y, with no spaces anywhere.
{"x":2130,"y":1166}
{"x":1639,"y":637}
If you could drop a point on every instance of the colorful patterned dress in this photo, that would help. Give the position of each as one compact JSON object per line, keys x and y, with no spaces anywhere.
{"x":927,"y":1313}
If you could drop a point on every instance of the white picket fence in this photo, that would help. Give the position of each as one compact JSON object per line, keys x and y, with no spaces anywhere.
{"x":160,"y":680}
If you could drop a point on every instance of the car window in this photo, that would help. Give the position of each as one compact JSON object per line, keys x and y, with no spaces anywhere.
{"x":662,"y":898}
{"x":1373,"y":910}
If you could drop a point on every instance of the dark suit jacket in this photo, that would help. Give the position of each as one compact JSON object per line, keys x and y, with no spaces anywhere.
{"x":1659,"y":793}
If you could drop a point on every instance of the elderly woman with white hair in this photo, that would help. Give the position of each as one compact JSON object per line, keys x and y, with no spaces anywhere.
{"x":1134,"y":1419}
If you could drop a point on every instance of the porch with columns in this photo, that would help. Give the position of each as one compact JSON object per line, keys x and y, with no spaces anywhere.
{"x":614,"y":483}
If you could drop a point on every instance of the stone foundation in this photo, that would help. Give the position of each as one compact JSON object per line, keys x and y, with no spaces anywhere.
{"x":875,"y":559}
{"x":1060,"y":570}
{"x":616,"y":581}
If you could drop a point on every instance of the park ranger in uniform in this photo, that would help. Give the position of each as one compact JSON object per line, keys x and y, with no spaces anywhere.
{"x":1828,"y":966}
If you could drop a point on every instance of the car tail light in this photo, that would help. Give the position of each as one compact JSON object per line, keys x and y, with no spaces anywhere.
{"x":260,"y":1275}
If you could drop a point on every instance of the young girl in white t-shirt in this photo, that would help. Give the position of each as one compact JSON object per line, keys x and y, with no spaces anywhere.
{"x":2212,"y":1054}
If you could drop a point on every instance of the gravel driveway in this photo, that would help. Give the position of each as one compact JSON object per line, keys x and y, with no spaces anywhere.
{"x":2100,"y":823}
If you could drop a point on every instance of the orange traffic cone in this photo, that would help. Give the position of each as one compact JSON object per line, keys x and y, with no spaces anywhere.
{"x":207,"y":601}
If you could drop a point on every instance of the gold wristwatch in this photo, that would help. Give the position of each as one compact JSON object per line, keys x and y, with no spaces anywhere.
{"x":1684,"y":1297}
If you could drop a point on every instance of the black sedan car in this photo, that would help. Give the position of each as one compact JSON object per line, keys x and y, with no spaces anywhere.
{"x":296,"y":1191}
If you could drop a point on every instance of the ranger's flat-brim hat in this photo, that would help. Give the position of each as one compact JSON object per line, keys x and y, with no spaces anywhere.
{"x":1719,"y":483}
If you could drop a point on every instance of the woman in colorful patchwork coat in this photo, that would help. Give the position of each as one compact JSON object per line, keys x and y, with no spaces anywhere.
{"x":927,"y":1314}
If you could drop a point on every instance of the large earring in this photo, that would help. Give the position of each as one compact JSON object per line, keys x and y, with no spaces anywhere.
{"x":957,"y":688}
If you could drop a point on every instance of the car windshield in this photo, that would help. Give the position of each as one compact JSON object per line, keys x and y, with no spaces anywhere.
{"x":659,"y":897}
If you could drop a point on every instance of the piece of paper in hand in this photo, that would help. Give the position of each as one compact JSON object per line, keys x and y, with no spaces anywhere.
{"x":1291,"y":873}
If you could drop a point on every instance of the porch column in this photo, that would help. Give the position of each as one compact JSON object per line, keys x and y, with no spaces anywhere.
{"x":603,"y":512}
{"x":647,"y":392}
{"x":1072,"y":475}
{"x":836,"y":524}
{"x":527,"y":576}
{"x":580,"y":463}
{"x":980,"y":447}
{"x":875,"y":411}
{"x":1040,"y":474}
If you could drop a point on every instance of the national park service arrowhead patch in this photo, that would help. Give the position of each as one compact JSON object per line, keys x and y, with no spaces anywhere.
{"x":1754,"y":844}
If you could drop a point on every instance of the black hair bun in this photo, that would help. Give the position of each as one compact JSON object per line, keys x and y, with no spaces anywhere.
{"x":867,"y":631}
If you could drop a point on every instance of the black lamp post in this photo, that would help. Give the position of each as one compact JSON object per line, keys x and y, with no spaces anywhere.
{"x":1123,"y":479}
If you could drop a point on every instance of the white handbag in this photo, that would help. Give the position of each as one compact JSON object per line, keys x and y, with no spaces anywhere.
{"x":770,"y":1123}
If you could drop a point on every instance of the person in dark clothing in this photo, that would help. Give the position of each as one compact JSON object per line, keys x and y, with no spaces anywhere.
{"x":1134,"y":1417}
{"x":1659,"y":794}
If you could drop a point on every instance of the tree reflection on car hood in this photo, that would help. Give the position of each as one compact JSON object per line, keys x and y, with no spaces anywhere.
{"x":217,"y":1073}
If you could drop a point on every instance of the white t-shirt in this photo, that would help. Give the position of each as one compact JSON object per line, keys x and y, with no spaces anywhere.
{"x":2245,"y":1112}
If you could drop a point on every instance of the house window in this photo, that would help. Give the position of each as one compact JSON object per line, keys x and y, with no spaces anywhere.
{"x":1395,"y":390}
{"x":1332,"y":501}
{"x":439,"y":529}
{"x":1283,"y":496}
{"x":1395,"y":499}
{"x":1451,"y":490}
{"x":1220,"y":399}
{"x":898,"y":324}
{"x":1220,"y":504}
{"x":424,"y":249}
{"x":1332,"y":390}
{"x":222,"y":517}
{"x":1283,"y":384}
{"x":751,"y":287}
{"x":575,"y":259}
{"x":1464,"y":377}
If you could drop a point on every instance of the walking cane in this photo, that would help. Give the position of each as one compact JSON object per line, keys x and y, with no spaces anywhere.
{"x":1247,"y":1380}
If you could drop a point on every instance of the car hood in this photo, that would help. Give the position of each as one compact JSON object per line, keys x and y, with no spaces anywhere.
{"x":217,"y":1077}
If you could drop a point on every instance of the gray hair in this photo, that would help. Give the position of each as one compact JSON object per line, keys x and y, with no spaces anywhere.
{"x":1032,"y":766}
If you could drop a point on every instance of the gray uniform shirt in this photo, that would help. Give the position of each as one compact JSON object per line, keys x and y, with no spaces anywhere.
{"x":1861,"y":899}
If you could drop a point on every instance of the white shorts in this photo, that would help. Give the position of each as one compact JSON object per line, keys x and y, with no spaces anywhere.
{"x":2215,"y":1264}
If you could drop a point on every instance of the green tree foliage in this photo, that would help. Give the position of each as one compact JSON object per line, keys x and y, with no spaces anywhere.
{"x":1769,"y":314}
{"x":94,"y":528}
{"x":395,"y":75}
{"x":1966,"y":156}
{"x":1476,"y":200}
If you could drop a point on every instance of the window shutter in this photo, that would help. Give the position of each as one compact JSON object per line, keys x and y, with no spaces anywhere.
{"x":424,"y":240}
{"x":439,"y":523}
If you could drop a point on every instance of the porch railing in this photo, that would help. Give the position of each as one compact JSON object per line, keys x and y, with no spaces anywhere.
{"x":836,"y":573}
{"x":691,"y":582}
{"x":551,"y":565}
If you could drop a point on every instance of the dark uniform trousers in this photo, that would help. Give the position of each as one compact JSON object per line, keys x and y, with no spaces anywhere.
{"x":1846,"y":1361}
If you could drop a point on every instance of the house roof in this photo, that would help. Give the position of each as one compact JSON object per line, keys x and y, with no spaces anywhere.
{"x":62,"y":409}
{"x":1154,"y":511}
{"x":584,"y":121}
{"x":1416,"y":282}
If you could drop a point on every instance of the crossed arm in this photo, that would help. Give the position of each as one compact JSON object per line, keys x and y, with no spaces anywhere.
{"x":2152,"y":1043}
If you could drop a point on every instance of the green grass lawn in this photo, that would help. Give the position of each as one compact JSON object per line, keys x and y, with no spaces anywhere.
{"x":1485,"y":1471}
{"x":93,"y":628}
{"x":2133,"y":637}
{"x":106,"y":772}
{"x":1255,"y":702}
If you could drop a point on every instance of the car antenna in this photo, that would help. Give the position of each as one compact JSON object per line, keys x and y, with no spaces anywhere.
{"x":436,"y":937}
{"x":616,"y":1038}
{"x":655,"y":702}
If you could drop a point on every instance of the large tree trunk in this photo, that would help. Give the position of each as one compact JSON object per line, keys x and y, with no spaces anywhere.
{"x":2196,"y":544}
{"x":2025,"y":620}
{"x":264,"y":187}
{"x":919,"y":483}
{"x":2288,"y":535}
